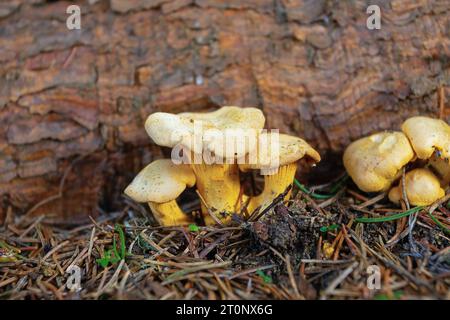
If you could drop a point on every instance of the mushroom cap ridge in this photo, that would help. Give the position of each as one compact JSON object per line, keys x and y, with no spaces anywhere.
{"x":426,"y":135}
{"x":170,"y":130}
{"x":290,"y":150}
{"x":160,"y":181}
{"x":374,"y":162}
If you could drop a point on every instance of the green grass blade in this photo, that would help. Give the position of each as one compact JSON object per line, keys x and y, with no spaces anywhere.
{"x":334,"y":189}
{"x":444,"y":228}
{"x":391,"y":217}
{"x":338,"y":185}
{"x":312,"y":194}
{"x":122,"y":241}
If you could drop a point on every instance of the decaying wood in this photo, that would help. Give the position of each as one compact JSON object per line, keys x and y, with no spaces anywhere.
{"x":311,"y":65}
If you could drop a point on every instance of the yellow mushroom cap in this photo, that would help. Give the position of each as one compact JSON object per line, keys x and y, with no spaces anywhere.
{"x":422,"y":188}
{"x":288,"y":149}
{"x":427,"y":135}
{"x":441,"y":167}
{"x":374,"y":162}
{"x":276,"y":158}
{"x":161,"y":181}
{"x":217,"y":128}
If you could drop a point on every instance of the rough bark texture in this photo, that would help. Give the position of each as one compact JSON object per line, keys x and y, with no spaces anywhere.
{"x":73,"y":103}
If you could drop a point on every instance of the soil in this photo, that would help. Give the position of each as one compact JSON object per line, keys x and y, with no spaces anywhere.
{"x":306,"y":248}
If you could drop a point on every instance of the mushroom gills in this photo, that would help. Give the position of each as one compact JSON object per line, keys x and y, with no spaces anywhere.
{"x":219,"y":188}
{"x":169,"y":214}
{"x":274,"y":185}
{"x":211,"y":133}
{"x":289,"y":150}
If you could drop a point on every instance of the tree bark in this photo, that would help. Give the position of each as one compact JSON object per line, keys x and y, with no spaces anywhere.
{"x":73,"y":102}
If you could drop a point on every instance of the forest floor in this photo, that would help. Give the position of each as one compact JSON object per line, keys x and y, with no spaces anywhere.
{"x":328,"y":242}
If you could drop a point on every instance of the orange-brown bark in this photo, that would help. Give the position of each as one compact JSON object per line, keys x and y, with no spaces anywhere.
{"x":73,"y":102}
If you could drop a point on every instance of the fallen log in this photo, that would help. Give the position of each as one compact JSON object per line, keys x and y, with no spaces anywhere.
{"x":73,"y":102}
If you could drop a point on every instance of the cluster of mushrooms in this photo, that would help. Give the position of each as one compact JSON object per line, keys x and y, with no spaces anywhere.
{"x":218,"y":184}
{"x":376,"y":162}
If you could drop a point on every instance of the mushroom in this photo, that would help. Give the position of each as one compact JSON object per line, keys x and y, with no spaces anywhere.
{"x":289,"y":150}
{"x":428,"y":135}
{"x":204,"y":139}
{"x":430,"y":139}
{"x":441,"y":168}
{"x":422,"y":188}
{"x":374,"y":162}
{"x":159,"y":184}
{"x":207,"y":131}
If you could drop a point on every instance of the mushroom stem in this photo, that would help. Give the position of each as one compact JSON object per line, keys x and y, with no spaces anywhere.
{"x":169,"y":214}
{"x":274,"y":185}
{"x":159,"y":184}
{"x":219,"y":186}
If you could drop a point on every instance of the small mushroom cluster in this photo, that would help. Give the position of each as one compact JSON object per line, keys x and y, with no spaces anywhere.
{"x":376,"y":162}
{"x":215,"y":176}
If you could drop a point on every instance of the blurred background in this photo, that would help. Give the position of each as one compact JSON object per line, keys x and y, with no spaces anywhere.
{"x":73,"y":102}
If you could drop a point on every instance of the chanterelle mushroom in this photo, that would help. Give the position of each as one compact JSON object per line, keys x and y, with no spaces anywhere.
{"x":428,"y":135}
{"x":219,"y":135}
{"x":441,"y":168}
{"x":422,"y":188}
{"x":289,"y":150}
{"x":374,"y":162}
{"x":208,"y":130}
{"x":430,"y":139}
{"x":159,"y":184}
